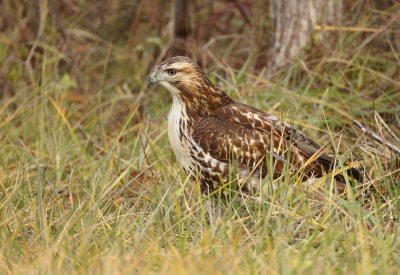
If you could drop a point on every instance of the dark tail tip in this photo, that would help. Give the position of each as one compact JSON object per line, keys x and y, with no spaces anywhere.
{"x":353,"y":173}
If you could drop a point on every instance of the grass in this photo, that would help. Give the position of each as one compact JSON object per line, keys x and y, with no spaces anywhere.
{"x":89,"y":184}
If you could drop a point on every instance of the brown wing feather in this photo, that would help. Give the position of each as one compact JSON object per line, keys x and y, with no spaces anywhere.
{"x":252,"y":134}
{"x":227,"y":141}
{"x":233,"y":132}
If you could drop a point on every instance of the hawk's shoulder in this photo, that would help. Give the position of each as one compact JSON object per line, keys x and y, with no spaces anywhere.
{"x":239,"y":115}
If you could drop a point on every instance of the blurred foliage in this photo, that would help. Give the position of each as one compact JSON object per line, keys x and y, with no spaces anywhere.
{"x":138,"y":32}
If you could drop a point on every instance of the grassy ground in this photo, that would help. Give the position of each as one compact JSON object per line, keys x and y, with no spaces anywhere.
{"x":89,"y":184}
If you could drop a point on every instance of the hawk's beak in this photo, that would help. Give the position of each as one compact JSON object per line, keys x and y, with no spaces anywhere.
{"x":151,"y":79}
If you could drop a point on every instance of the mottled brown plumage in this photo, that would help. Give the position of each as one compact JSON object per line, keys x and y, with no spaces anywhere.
{"x":209,"y":133}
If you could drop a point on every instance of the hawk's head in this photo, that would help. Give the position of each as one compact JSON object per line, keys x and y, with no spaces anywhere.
{"x":176,"y":71}
{"x":186,"y":81}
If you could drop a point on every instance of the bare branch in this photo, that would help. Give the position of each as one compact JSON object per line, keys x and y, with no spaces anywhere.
{"x":376,"y":137}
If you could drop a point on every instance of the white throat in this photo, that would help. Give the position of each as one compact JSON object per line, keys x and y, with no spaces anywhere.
{"x":171,"y":88}
{"x":178,"y":133}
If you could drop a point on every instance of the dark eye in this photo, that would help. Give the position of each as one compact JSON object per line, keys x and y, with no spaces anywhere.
{"x":171,"y":71}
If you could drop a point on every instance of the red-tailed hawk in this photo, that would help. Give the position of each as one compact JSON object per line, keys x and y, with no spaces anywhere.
{"x":209,"y":133}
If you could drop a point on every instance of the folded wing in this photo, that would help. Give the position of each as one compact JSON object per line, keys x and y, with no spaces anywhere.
{"x":245,"y":134}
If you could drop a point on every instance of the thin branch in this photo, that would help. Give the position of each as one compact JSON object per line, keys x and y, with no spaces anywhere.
{"x":376,"y":137}
{"x":42,"y":19}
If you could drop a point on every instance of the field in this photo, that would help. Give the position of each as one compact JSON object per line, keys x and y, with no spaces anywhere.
{"x":89,"y":183}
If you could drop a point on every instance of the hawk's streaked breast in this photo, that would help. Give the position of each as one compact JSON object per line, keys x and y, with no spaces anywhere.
{"x":178,"y":134}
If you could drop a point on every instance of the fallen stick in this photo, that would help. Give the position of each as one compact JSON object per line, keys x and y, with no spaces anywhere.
{"x":376,"y":137}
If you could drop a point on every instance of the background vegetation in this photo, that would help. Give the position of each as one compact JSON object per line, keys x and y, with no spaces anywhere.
{"x":89,"y":184}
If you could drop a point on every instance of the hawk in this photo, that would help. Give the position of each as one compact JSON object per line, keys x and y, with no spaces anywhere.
{"x":209,"y":133}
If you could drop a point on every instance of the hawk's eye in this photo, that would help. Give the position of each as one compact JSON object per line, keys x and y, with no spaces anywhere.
{"x":171,"y":71}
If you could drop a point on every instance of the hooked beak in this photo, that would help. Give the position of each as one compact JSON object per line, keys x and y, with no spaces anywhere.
{"x":151,"y":79}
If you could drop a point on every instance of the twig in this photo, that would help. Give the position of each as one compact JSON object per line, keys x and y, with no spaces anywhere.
{"x":42,"y":19}
{"x":379,"y":119}
{"x":376,"y":137}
